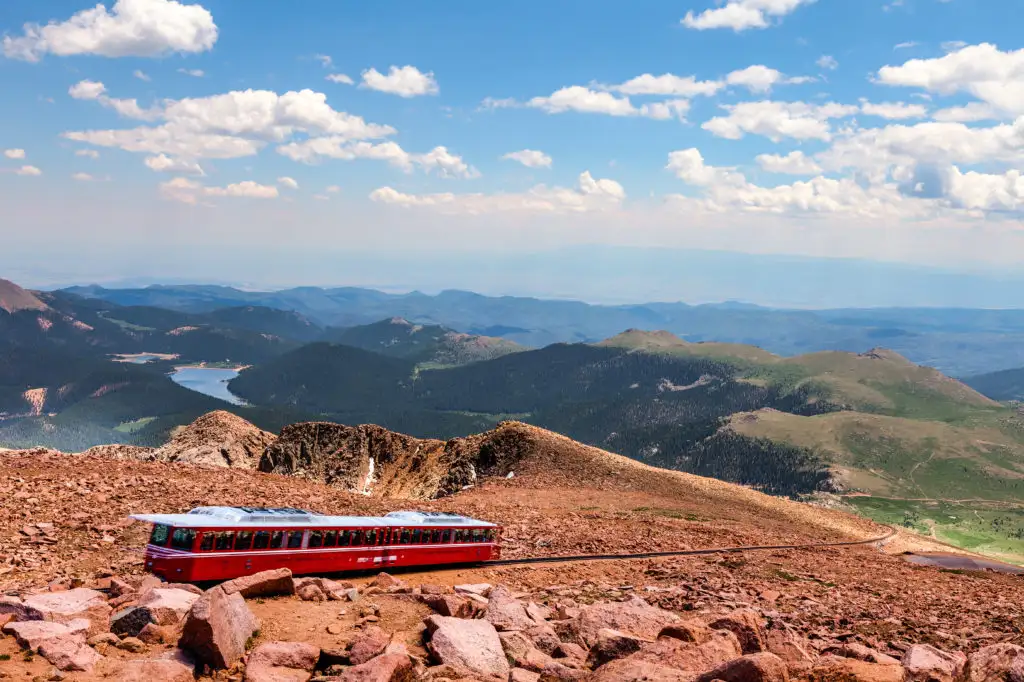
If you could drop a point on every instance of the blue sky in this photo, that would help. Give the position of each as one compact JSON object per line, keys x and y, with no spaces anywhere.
{"x":871,"y":129}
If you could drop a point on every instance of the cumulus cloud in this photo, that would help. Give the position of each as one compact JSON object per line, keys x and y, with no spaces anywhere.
{"x":530,"y":158}
{"x":288,"y":183}
{"x":667,"y":84}
{"x":404,"y":81}
{"x":438,"y":160}
{"x":28,"y":170}
{"x":589,"y":195}
{"x":970,"y":112}
{"x":14,"y":153}
{"x":778,"y":120}
{"x":141,"y":75}
{"x":87,"y":89}
{"x":339,"y":78}
{"x":688,"y":165}
{"x":82,"y":177}
{"x":165,"y":164}
{"x":794,"y":163}
{"x":88,"y":153}
{"x":584,"y":100}
{"x":893,"y":110}
{"x":983,"y":71}
{"x":129,"y":108}
{"x":828,"y":62}
{"x":740,"y":15}
{"x":131,"y":28}
{"x":190,"y":192}
{"x":233,"y":124}
{"x":195,"y":73}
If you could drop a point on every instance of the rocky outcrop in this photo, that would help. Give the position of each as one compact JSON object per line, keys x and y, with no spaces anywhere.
{"x":281,"y":662}
{"x":69,"y":605}
{"x":634,"y":616}
{"x":217,"y":439}
{"x":31,"y":634}
{"x":217,"y":628}
{"x":925,"y":663}
{"x":262,"y":584}
{"x":995,"y":663}
{"x":470,"y":644}
{"x":370,"y":459}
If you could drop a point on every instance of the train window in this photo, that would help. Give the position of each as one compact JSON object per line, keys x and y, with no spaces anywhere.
{"x":458,"y":536}
{"x":344,"y":539}
{"x":436,"y":538}
{"x":261,"y":540}
{"x":492,"y":535}
{"x":206,"y":544}
{"x":224,"y":539}
{"x":416,"y":535}
{"x":243,"y":540}
{"x":426,"y":537}
{"x":295,"y":539}
{"x":445,"y":535}
{"x":316,"y":539}
{"x":371,"y":537}
{"x":405,"y":537}
{"x":183,"y":538}
{"x":277,"y":539}
{"x":331,"y":538}
{"x":159,"y":535}
{"x":356,"y":536}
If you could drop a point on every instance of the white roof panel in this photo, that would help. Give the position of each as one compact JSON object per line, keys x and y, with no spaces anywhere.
{"x":211,"y":517}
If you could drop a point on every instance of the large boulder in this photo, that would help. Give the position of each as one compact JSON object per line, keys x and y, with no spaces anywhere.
{"x":69,"y":605}
{"x":69,"y":653}
{"x":861,"y":653}
{"x":746,"y":625}
{"x":790,"y":646}
{"x":760,"y":667}
{"x":386,"y":668}
{"x":634,"y":616}
{"x":471,"y":644}
{"x":521,"y":652}
{"x":330,"y":589}
{"x":15,"y":607}
{"x":217,"y":439}
{"x":691,"y":630}
{"x":369,"y":644}
{"x":168,"y":606}
{"x":448,"y":605}
{"x":670,"y":659}
{"x":611,"y":645}
{"x":925,"y":663}
{"x":505,"y":612}
{"x":839,"y":669}
{"x":131,"y":621}
{"x":30,"y":634}
{"x":281,"y":662}
{"x":218,"y":627}
{"x":993,"y":662}
{"x":172,"y":667}
{"x":262,"y":584}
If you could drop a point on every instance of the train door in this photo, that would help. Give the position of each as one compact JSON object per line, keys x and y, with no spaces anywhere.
{"x":387,"y":538}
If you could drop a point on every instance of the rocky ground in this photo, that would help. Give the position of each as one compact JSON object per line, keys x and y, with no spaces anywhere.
{"x":75,"y":604}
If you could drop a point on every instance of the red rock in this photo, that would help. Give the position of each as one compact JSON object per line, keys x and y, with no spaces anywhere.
{"x":839,"y":669}
{"x":544,"y":638}
{"x":925,"y":663}
{"x":687,"y":631}
{"x":521,"y":652}
{"x":538,"y":612}
{"x":218,"y":627}
{"x":310,"y":592}
{"x":30,"y":634}
{"x":448,"y":605}
{"x":790,"y":646}
{"x":612,"y":645}
{"x":158,"y":634}
{"x":369,"y":644}
{"x":262,"y":584}
{"x":479,"y":589}
{"x":636,"y":670}
{"x":167,"y":606}
{"x":634,"y":616}
{"x":556,"y":672}
{"x":386,"y":581}
{"x":993,"y":662}
{"x":471,"y":644}
{"x":15,"y":607}
{"x":281,"y":662}
{"x":760,"y":667}
{"x":523,"y":675}
{"x":570,"y":650}
{"x":672,"y":653}
{"x":746,"y":625}
{"x":69,"y":652}
{"x":506,"y":613}
{"x":63,"y":607}
{"x":175,"y":667}
{"x":119,"y":587}
{"x":386,"y":668}
{"x":434,"y":589}
{"x":132,"y":644}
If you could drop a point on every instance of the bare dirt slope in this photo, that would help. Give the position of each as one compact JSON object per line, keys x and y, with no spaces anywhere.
{"x":13,"y":298}
{"x":217,"y":439}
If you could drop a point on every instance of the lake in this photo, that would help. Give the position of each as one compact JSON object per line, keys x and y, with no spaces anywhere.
{"x":212,"y":382}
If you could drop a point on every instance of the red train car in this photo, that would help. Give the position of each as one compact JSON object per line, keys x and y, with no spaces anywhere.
{"x":217,"y":543}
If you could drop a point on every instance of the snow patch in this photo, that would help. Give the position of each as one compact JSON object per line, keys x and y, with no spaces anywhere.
{"x":367,"y":488}
{"x":667,"y":385}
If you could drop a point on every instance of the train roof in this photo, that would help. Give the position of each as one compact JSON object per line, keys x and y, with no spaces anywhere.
{"x":216,"y":517}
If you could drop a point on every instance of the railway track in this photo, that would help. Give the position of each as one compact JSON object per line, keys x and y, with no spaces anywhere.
{"x":684,"y":552}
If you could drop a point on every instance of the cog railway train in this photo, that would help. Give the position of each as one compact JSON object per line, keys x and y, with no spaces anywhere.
{"x":218,"y":543}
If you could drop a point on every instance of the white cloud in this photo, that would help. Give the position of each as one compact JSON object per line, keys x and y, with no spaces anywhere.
{"x":14,"y":153}
{"x":89,"y":153}
{"x":490,"y":103}
{"x":893,"y":110}
{"x":325,"y":60}
{"x":530,"y":158}
{"x":165,"y":164}
{"x":984,"y":71}
{"x":28,"y":170}
{"x":794,"y":163}
{"x":87,"y":89}
{"x":777,"y":120}
{"x":756,"y":78}
{"x":141,"y":75}
{"x":905,"y":46}
{"x":332,"y":189}
{"x":132,"y":28}
{"x":983,"y":191}
{"x":589,"y":195}
{"x":740,"y":15}
{"x":339,"y":78}
{"x":970,"y":112}
{"x":234,"y":124}
{"x":688,"y":165}
{"x":190,"y":192}
{"x":82,"y":177}
{"x":288,"y":183}
{"x":584,"y":100}
{"x":405,"y":81}
{"x":667,"y":84}
{"x":195,"y":73}
{"x":438,"y":159}
{"x":828,"y":62}
{"x":129,"y":108}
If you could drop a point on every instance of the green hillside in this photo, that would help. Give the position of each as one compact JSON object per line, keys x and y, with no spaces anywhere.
{"x":1005,"y":385}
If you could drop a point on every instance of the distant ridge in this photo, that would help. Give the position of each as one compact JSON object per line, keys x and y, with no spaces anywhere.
{"x":13,"y":298}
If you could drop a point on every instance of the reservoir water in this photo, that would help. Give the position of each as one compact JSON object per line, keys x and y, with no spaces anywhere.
{"x":212,"y":382}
